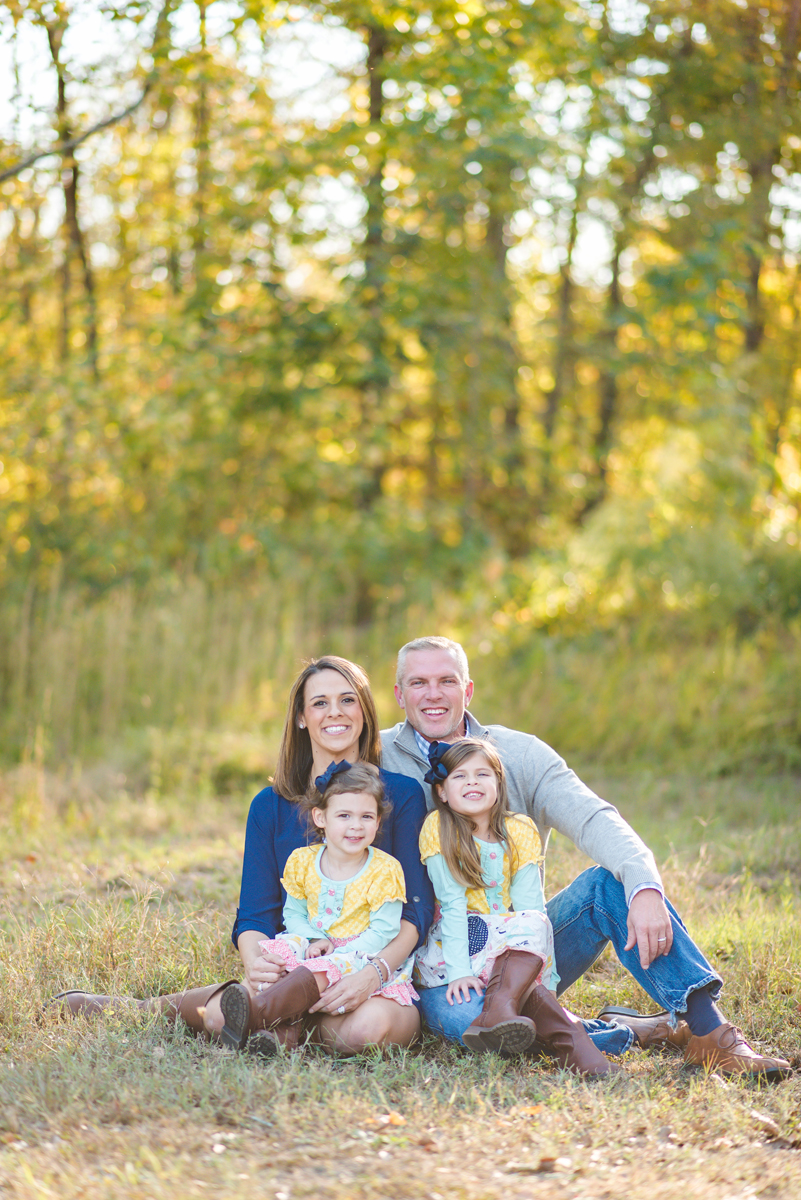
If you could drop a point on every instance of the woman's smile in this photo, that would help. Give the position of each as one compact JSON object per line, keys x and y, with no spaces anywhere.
{"x":333,"y":716}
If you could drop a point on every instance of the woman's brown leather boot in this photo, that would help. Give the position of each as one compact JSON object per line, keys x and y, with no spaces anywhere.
{"x":502,"y":1025}
{"x":284,"y":1001}
{"x":267,"y":1043}
{"x":563,"y":1037}
{"x":186,"y":1005}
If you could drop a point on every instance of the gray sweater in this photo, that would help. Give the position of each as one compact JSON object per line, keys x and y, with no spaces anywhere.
{"x":541,"y":784}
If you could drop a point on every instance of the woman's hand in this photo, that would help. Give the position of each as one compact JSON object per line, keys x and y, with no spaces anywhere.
{"x":264,"y":968}
{"x":348,"y":994}
{"x":461,"y":987}
{"x":322,"y":946}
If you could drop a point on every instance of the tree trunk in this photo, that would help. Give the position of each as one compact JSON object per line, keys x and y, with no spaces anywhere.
{"x":202,"y":173}
{"x":607,"y":384}
{"x":563,"y":353}
{"x":761,"y":172}
{"x":75,"y":244}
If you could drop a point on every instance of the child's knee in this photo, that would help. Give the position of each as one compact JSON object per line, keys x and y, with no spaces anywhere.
{"x":381,"y":1025}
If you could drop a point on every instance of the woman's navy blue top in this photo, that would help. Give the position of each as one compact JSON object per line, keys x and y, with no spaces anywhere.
{"x":276,"y":827}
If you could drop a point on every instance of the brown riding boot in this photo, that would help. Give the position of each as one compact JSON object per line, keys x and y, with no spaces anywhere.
{"x":500,"y":1025}
{"x":563,"y":1037}
{"x":266,"y":1043}
{"x":284,"y":1001}
{"x":185,"y":1005}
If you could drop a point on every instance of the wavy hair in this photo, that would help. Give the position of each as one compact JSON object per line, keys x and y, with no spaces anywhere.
{"x":292,"y":778}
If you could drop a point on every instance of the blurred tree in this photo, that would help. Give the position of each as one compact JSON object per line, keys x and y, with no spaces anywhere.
{"x":435,"y":322}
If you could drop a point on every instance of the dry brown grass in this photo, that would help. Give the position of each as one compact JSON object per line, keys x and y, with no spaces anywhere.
{"x":131,"y":894}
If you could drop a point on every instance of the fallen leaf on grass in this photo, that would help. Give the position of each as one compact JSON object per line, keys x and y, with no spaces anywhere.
{"x":546,"y":1166}
{"x":390,"y":1118}
{"x":429,"y":1145}
{"x":525,"y":1110}
{"x":765,"y":1123}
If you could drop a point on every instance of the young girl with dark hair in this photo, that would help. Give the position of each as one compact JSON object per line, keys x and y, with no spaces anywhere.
{"x":343,"y":908}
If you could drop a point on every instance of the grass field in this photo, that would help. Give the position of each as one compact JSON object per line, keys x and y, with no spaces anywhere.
{"x":136,"y":893}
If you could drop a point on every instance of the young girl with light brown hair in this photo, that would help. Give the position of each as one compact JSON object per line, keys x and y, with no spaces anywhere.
{"x":492,"y":933}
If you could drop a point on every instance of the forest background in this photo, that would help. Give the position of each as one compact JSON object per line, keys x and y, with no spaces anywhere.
{"x":323,"y":326}
{"x":369,"y":319}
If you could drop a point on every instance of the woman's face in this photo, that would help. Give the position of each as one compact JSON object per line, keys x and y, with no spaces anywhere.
{"x":333,"y":716}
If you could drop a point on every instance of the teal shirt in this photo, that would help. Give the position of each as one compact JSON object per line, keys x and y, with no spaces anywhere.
{"x":384,"y":925}
{"x":525,"y":889}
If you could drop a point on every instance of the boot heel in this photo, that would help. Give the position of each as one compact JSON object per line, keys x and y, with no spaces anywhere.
{"x":507,"y":1037}
{"x":235,"y":1005}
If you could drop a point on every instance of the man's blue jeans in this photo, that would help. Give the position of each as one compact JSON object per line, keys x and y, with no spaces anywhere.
{"x":586,"y":915}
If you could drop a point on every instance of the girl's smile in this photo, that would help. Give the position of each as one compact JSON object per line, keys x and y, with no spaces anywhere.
{"x":471,"y":788}
{"x":350,"y":824}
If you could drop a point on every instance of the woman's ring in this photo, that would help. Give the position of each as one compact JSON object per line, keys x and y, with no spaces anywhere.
{"x":261,"y":985}
{"x":341,"y":1009}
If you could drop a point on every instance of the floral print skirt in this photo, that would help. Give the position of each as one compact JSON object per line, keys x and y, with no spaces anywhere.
{"x":488,"y":938}
{"x":340,"y":962}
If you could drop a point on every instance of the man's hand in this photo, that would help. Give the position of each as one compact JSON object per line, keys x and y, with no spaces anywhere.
{"x":650,"y":929}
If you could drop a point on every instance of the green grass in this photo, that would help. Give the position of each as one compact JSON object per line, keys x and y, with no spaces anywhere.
{"x":135,"y":893}
{"x":190,"y":683}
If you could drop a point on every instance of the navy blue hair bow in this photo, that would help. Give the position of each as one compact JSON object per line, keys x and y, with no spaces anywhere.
{"x":438,"y":772}
{"x":334,"y":768}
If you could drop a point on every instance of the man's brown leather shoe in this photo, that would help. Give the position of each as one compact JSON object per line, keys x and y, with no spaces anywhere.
{"x":726,"y":1050}
{"x":652,"y":1030}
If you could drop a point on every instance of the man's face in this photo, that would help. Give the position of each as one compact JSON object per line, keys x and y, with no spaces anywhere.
{"x":433,"y":694}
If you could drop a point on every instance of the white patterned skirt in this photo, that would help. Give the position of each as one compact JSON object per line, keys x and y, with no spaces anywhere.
{"x":340,"y":962}
{"x":488,"y":937}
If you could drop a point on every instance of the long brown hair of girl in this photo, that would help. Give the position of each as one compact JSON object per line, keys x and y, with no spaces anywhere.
{"x":293,"y":769}
{"x":456,"y":831}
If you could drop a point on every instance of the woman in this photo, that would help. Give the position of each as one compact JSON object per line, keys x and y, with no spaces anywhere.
{"x":331,"y":716}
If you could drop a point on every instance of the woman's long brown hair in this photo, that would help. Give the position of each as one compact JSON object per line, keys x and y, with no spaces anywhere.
{"x":295,"y":757}
{"x":456,"y":832}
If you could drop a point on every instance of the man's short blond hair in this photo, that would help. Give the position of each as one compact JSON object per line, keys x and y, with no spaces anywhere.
{"x":434,"y":643}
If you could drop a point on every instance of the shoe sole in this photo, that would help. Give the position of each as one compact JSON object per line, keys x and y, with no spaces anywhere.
{"x":235,"y":1005}
{"x":509,"y":1037}
{"x":613,"y":1011}
{"x":670,"y":1041}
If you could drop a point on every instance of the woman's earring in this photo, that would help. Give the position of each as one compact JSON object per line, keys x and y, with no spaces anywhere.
{"x":301,"y":725}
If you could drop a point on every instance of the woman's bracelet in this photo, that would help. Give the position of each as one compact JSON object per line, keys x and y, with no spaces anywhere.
{"x":375,"y":959}
{"x":378,"y":969}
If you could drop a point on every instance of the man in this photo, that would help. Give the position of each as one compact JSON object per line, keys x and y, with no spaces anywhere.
{"x":621,"y":900}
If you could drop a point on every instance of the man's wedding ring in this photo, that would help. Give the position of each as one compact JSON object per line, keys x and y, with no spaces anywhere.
{"x":341,"y":1009}
{"x":661,"y":939}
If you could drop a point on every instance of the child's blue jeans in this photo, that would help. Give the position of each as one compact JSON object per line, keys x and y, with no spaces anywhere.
{"x":586,"y":915}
